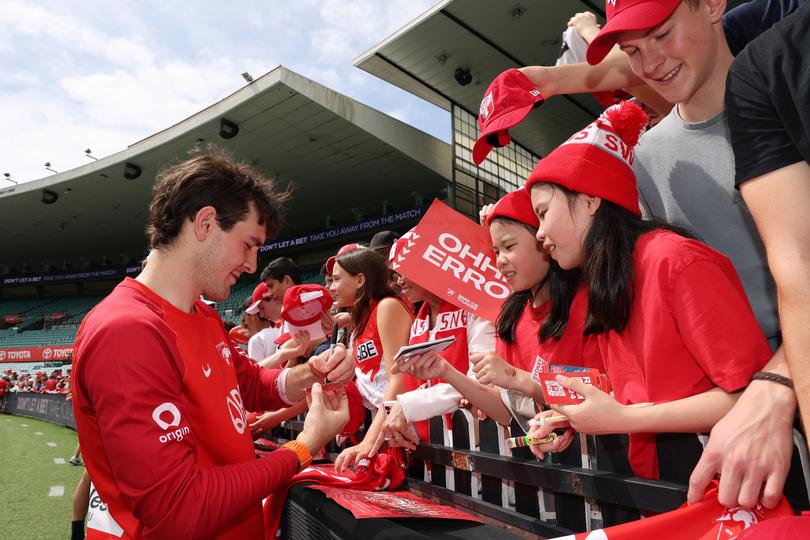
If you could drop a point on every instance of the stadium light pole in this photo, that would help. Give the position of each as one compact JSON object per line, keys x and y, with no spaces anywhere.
{"x":89,"y":153}
{"x":7,"y":176}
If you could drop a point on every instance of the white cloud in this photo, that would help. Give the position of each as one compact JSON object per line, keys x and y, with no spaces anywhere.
{"x":84,"y":74}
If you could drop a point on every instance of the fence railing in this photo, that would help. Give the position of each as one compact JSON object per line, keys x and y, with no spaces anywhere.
{"x":586,"y":487}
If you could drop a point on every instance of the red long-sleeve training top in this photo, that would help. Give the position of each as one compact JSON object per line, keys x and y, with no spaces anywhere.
{"x":159,"y":400}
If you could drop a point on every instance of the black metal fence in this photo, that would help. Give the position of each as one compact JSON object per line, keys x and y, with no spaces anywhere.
{"x":589,"y":486}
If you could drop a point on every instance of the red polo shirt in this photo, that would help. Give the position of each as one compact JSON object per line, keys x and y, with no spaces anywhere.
{"x":159,"y":400}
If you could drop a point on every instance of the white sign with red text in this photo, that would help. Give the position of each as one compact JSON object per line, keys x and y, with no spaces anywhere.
{"x":451,"y":256}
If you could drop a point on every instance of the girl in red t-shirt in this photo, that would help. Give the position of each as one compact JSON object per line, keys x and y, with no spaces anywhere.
{"x":670,"y":316}
{"x":526,"y":328}
{"x":436,"y":319}
{"x":380,"y":324}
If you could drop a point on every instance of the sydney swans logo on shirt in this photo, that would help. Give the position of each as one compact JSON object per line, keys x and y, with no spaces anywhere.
{"x":225,"y":352}
{"x":365,"y":351}
{"x":159,"y":414}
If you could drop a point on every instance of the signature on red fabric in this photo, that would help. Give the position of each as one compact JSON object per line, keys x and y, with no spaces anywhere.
{"x":390,"y":504}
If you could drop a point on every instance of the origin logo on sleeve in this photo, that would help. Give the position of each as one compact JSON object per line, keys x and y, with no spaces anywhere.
{"x":169,"y":411}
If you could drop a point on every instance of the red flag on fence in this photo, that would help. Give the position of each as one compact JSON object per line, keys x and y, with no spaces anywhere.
{"x":706,"y":520}
{"x":451,"y":256}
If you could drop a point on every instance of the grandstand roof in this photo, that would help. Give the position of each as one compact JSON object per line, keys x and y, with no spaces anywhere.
{"x":339,"y":154}
{"x":486,"y":38}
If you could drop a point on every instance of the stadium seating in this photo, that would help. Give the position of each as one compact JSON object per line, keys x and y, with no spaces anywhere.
{"x":58,"y":335}
{"x":230,"y":309}
{"x":22,"y":306}
{"x":35,"y":311}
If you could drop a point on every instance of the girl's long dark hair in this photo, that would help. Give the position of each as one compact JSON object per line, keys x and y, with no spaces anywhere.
{"x":608,"y":268}
{"x":561,"y":286}
{"x":374,"y":268}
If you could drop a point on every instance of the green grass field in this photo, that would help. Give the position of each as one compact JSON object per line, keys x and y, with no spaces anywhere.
{"x":29,"y":475}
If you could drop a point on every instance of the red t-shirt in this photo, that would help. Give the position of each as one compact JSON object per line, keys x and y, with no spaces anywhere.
{"x":572,"y":349}
{"x":50,"y":385}
{"x":691,"y":329}
{"x":159,"y":400}
{"x":3,"y":387}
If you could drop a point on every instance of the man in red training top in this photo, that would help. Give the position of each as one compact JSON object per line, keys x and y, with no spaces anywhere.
{"x":161,"y":391}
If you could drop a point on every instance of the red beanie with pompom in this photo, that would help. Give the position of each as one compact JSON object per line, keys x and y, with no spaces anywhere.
{"x":598,"y":160}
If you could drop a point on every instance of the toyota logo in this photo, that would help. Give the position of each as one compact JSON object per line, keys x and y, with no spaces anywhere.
{"x":47,"y":353}
{"x":2,"y":355}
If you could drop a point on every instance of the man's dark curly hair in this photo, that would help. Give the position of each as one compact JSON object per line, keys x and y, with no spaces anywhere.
{"x":211,"y":177}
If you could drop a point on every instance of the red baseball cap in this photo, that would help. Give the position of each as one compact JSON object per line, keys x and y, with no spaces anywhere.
{"x":516,"y":205}
{"x":330,"y":262}
{"x":507,"y":101}
{"x":261,"y":292}
{"x":625,"y":15}
{"x":302,"y":309}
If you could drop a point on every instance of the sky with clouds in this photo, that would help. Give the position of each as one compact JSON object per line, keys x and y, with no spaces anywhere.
{"x":102,"y":75}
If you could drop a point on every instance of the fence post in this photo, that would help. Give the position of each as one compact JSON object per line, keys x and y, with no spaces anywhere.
{"x":439,"y":435}
{"x":526,"y":495}
{"x":464,"y":439}
{"x":570,"y":509}
{"x":593,"y":510}
{"x":610,"y":454}
{"x":492,"y":438}
{"x":797,"y":484}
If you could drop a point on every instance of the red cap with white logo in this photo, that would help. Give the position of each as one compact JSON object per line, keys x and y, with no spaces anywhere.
{"x":261,"y":292}
{"x":302,"y":309}
{"x":330,"y":262}
{"x":626,"y":15}
{"x":598,"y":160}
{"x":507,"y":101}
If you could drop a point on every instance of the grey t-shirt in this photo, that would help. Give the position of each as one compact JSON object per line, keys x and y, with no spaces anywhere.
{"x":685,"y":176}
